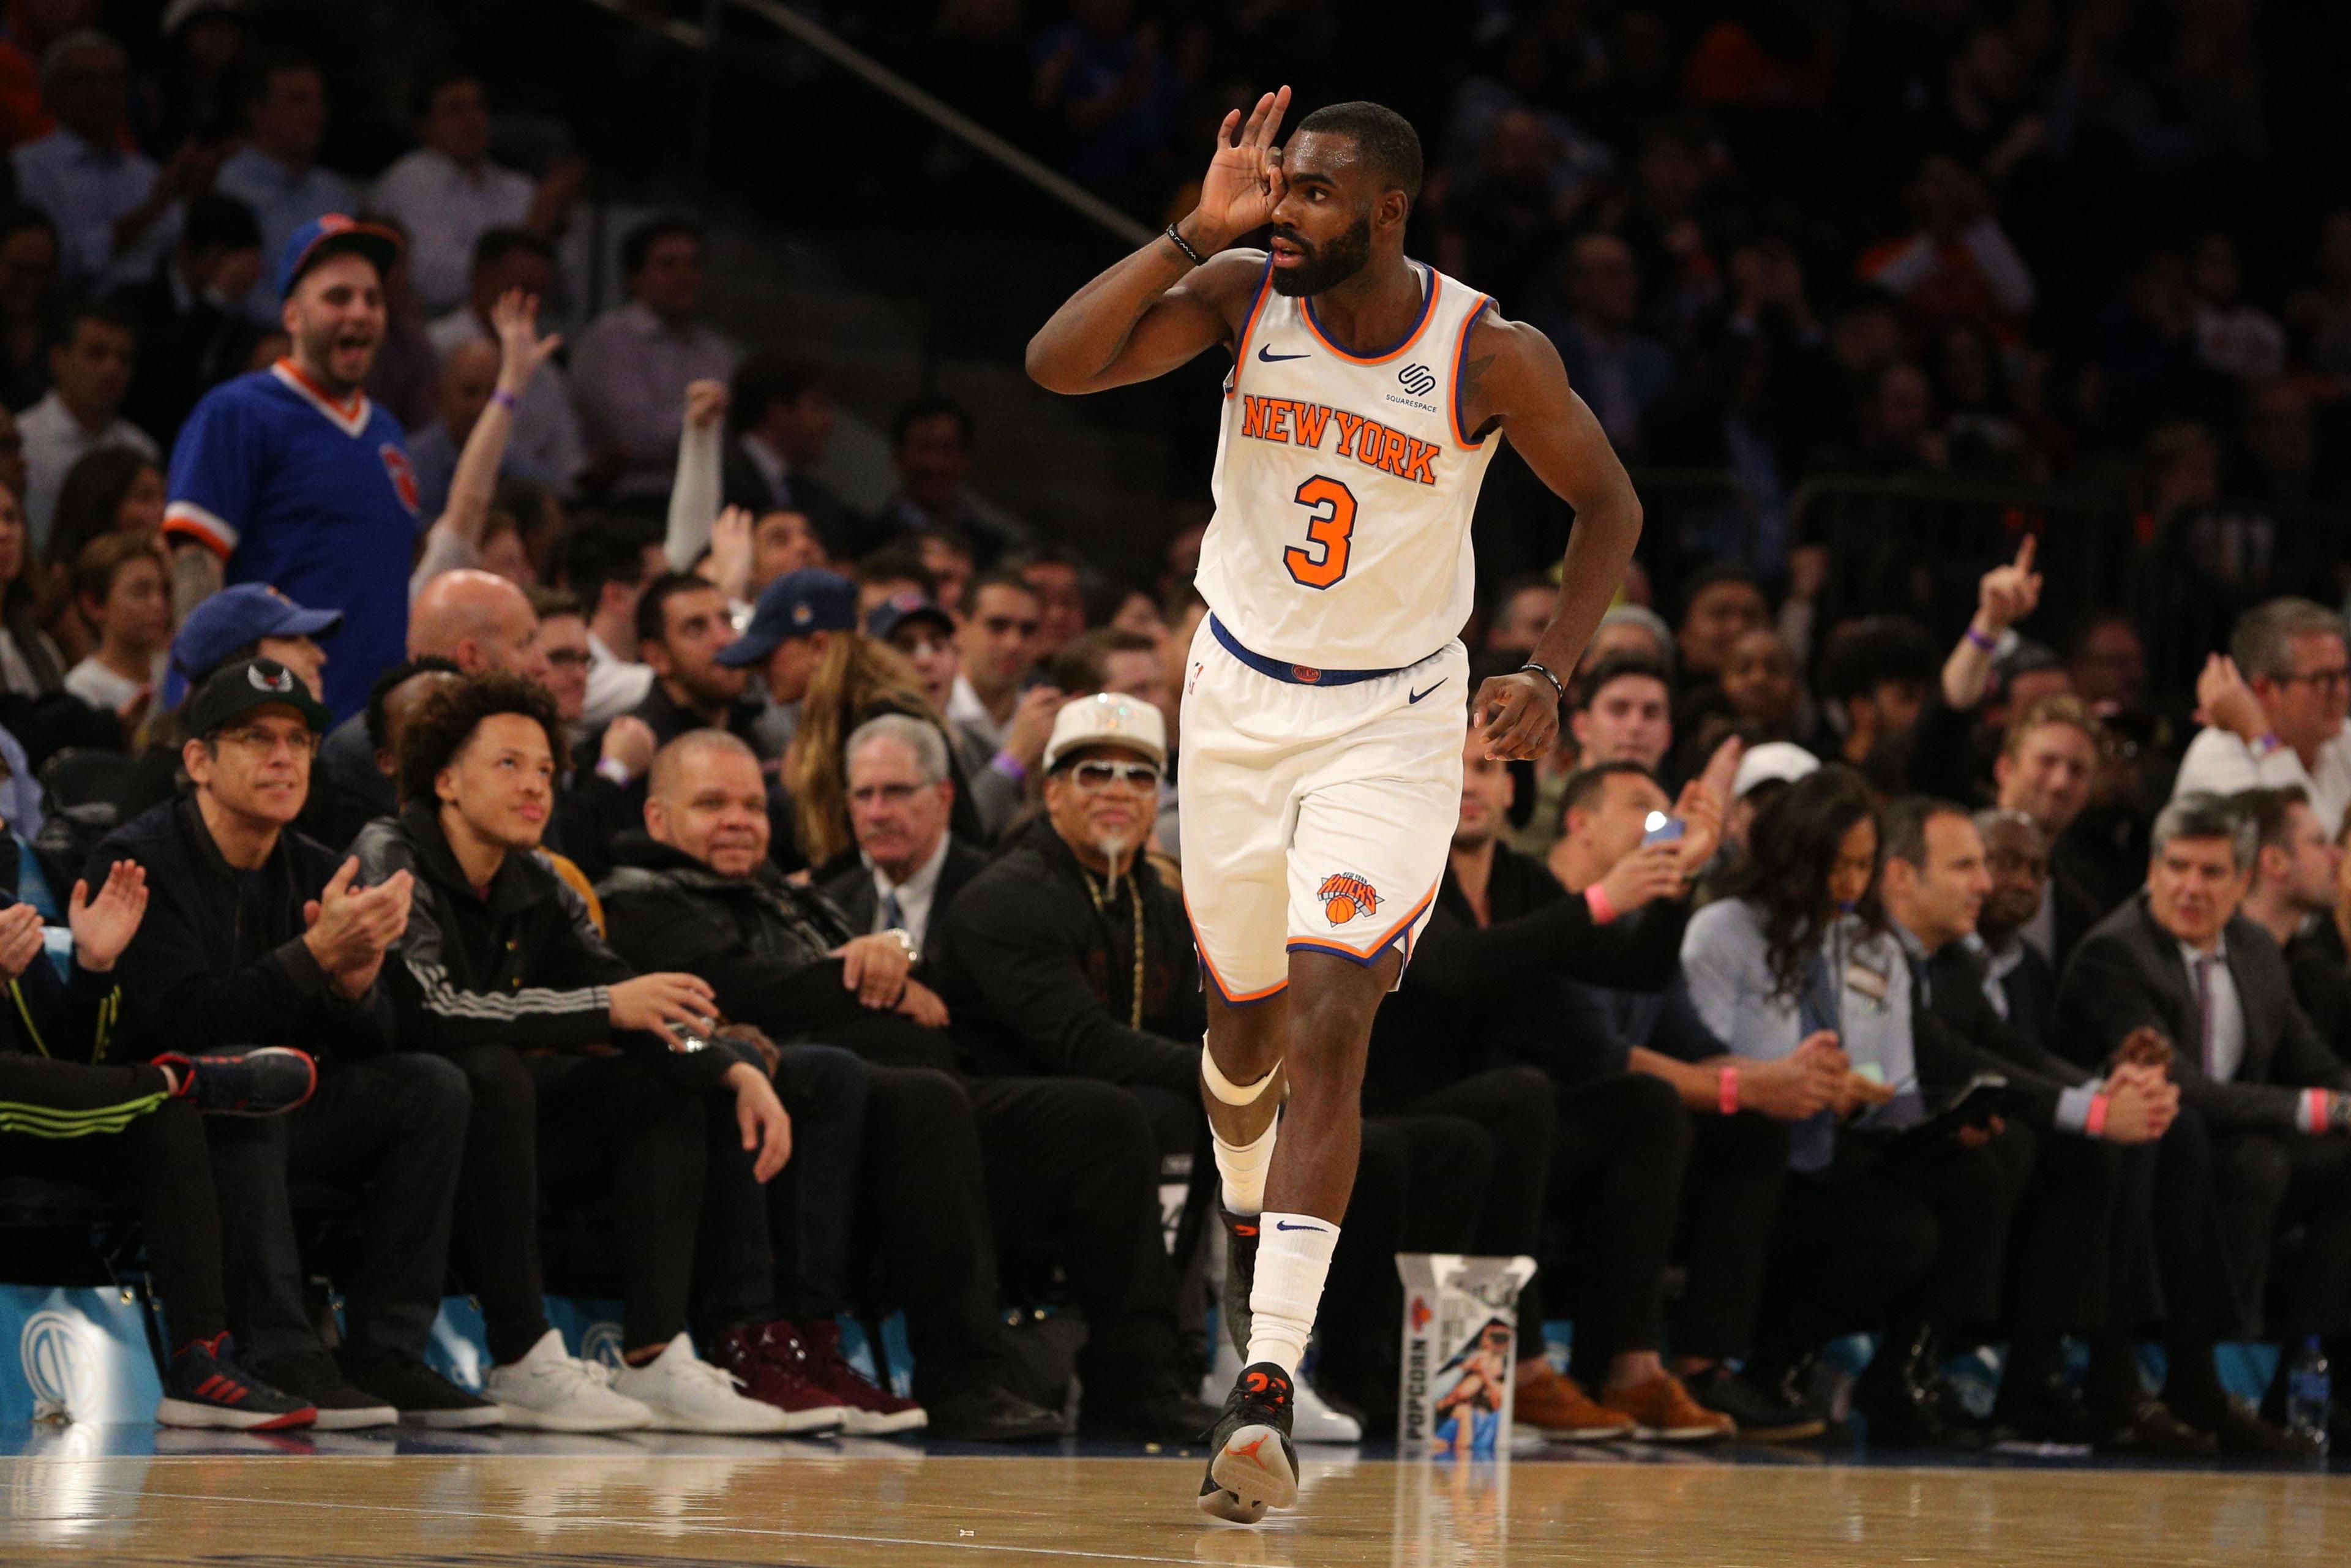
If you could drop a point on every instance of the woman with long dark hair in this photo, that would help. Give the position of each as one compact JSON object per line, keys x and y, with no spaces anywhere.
{"x":1874,"y":1232}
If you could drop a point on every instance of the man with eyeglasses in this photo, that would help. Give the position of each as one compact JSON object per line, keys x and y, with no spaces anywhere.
{"x":901,"y":796}
{"x":1069,"y":957}
{"x":256,"y":935}
{"x":2277,"y":710}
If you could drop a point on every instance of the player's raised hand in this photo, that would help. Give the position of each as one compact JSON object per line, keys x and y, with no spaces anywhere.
{"x":1244,"y":179}
{"x":1518,"y":715}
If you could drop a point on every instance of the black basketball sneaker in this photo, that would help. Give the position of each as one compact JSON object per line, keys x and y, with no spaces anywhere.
{"x":1251,"y":1464}
{"x":1241,"y":1275}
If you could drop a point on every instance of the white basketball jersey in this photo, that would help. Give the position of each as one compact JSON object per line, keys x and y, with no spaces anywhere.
{"x":1345,"y":487}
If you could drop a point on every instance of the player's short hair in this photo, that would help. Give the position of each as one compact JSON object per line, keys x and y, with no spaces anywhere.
{"x":1385,"y":141}
{"x":638,"y":248}
{"x":497,"y":243}
{"x":653,"y":604}
{"x":1621,"y":665}
{"x":448,"y":719}
{"x":1583,"y":786}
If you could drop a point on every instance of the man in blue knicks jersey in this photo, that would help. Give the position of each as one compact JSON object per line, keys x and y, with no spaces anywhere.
{"x":293,"y":476}
{"x":1323,"y":704}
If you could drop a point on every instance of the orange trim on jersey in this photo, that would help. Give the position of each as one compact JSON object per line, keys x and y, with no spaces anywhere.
{"x":351,"y":417}
{"x":1427,"y":314}
{"x":1460,"y":352}
{"x":1248,"y":323}
{"x":1209,"y":969}
{"x":1365,"y":955}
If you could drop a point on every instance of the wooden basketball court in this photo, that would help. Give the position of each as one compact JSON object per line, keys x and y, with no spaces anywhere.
{"x":526,"y":1500}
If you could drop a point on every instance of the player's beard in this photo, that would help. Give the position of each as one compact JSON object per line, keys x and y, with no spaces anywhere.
{"x":1326,"y":266}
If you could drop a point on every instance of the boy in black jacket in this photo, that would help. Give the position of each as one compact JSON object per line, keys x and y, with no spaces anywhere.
{"x":132,"y":1128}
{"x":255,"y":935}
{"x":586,"y":1075}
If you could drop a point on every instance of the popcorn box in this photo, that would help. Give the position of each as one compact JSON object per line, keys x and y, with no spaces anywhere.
{"x":1461,"y":1323}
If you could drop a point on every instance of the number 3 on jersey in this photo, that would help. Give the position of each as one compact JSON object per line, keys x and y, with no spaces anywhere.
{"x":1332,"y":506}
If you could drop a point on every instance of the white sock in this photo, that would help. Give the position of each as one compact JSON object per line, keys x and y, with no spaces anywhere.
{"x":1243,"y":1167}
{"x":1293,"y":1257}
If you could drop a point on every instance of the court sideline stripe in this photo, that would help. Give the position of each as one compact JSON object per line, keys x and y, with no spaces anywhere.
{"x":668,"y":1525}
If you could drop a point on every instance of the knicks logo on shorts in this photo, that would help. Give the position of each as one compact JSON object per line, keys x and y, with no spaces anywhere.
{"x":1345,"y":895}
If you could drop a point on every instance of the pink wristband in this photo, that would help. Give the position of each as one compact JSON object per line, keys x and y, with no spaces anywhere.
{"x":2094,"y":1123}
{"x":2313,"y":1110}
{"x":1728,"y":1089}
{"x":1603,"y":911}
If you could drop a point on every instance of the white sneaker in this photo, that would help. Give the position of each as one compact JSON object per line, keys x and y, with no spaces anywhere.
{"x":550,"y":1391}
{"x":1313,"y":1420}
{"x":686,"y":1393}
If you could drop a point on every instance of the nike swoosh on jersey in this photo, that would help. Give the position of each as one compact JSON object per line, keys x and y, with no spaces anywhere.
{"x":1418,"y":694}
{"x":1265,"y":351}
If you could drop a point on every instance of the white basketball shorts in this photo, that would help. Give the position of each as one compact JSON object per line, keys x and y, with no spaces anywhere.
{"x":1315,"y":818}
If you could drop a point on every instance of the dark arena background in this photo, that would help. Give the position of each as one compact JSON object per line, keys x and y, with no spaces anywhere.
{"x":597,"y":960}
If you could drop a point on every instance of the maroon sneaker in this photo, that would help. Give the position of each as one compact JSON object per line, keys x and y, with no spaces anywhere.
{"x":774,"y":1370}
{"x":873,"y":1410}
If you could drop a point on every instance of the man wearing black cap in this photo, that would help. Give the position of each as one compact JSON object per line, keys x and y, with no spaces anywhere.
{"x":255,"y":935}
{"x":291,"y":475}
{"x":791,"y":628}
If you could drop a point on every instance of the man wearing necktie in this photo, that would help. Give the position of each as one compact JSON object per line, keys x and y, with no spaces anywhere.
{"x":2181,"y":959}
{"x":2120,"y":1227}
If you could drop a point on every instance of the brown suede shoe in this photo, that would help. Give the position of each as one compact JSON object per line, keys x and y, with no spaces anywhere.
{"x":1663,"y":1412}
{"x":1554,"y":1405}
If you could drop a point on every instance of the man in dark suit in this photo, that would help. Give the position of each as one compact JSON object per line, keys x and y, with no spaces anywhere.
{"x":2019,"y":980}
{"x":900,"y":800}
{"x":2180,"y":959}
{"x":2120,"y":1184}
{"x":191,"y":336}
{"x":782,"y":412}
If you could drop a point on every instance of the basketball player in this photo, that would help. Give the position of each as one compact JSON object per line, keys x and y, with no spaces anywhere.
{"x":1323,"y":697}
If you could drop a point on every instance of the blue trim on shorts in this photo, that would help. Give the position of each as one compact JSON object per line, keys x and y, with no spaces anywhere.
{"x":1296,"y":674}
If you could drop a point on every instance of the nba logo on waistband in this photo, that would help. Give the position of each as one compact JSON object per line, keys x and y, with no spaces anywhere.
{"x":1305,"y":675}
